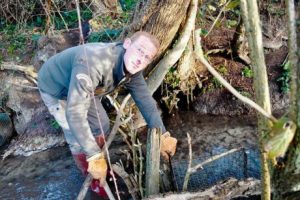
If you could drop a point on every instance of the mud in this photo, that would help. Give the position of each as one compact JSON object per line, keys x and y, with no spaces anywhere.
{"x":52,"y":174}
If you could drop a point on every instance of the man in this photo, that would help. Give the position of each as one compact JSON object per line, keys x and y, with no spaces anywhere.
{"x":69,"y":81}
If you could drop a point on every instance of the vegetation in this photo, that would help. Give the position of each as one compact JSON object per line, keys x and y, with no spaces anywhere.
{"x":247,"y":72}
{"x":285,"y":77}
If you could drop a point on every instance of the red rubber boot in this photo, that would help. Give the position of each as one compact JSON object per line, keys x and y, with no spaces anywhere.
{"x":82,"y":164}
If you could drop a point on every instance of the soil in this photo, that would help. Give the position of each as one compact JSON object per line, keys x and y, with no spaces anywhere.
{"x":214,"y":98}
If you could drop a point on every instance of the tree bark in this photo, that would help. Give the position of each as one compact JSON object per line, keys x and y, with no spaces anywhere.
{"x":175,"y":53}
{"x":287,"y":180}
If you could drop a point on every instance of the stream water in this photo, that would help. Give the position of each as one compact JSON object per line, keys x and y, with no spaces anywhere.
{"x":52,"y":174}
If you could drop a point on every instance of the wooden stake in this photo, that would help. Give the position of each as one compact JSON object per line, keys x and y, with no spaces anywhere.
{"x":153,"y":161}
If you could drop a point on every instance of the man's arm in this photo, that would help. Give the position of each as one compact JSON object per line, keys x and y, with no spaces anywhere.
{"x":147,"y":105}
{"x":78,"y":103}
{"x":139,"y":91}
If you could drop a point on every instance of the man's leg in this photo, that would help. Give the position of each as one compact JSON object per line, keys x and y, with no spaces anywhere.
{"x":57,"y":109}
{"x":94,"y":112}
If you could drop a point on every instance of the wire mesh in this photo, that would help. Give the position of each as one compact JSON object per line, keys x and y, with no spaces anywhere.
{"x":240,"y":164}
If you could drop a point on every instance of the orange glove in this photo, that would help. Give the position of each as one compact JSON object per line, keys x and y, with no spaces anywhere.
{"x":98,"y":167}
{"x":167,"y":145}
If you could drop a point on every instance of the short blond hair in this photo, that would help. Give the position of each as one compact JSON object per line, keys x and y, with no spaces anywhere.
{"x":152,"y":38}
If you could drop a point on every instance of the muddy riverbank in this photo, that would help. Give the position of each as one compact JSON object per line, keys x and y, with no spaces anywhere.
{"x":52,"y":174}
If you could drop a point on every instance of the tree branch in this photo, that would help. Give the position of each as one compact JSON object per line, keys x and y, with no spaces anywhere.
{"x":27,"y":70}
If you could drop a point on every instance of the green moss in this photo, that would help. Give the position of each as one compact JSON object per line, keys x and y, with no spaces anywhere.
{"x":247,"y":72}
{"x":285,"y":77}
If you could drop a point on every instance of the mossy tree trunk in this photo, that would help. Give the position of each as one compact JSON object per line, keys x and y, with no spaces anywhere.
{"x":287,"y":179}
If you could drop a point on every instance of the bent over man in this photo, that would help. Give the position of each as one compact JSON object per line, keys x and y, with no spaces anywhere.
{"x":69,"y":81}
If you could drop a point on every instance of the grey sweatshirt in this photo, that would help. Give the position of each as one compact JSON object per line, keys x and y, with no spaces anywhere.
{"x":75,"y":73}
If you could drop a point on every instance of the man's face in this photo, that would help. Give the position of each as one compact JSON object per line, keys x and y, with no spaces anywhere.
{"x":139,"y":53}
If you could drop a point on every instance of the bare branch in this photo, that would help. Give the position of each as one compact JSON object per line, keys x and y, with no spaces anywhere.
{"x":141,"y":168}
{"x":216,"y":157}
{"x":28,"y":70}
{"x":188,"y":171}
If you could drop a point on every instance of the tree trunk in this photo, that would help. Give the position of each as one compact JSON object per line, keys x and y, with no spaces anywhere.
{"x":162,"y":19}
{"x":251,"y":21}
{"x":287,"y":180}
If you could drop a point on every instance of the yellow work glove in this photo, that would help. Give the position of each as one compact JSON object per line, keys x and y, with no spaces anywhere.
{"x":167,"y":145}
{"x":98,"y":167}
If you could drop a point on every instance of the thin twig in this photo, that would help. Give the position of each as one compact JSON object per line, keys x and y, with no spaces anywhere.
{"x":141,"y":168}
{"x":193,"y":169}
{"x":62,"y":18}
{"x":81,"y":40}
{"x":125,"y":138}
{"x":108,"y":191}
{"x":134,"y":155}
{"x":117,"y":123}
{"x":84,"y":188}
{"x":188,"y":171}
{"x":216,"y":20}
{"x":216,"y":157}
{"x":47,"y":11}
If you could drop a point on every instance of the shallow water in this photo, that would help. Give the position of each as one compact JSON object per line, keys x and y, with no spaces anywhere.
{"x":52,"y":174}
{"x":47,"y":175}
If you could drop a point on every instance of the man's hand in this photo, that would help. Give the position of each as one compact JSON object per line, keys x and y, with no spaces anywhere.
{"x":167,"y":145}
{"x":98,"y":168}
